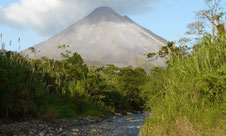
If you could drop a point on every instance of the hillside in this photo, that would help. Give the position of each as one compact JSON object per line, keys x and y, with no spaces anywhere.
{"x":104,"y":37}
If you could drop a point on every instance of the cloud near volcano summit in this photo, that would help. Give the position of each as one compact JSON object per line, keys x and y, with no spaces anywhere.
{"x":49,"y":17}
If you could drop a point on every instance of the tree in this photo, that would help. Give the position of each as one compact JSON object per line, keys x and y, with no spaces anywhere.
{"x":131,"y":81}
{"x":75,"y":67}
{"x":212,"y":15}
{"x":168,"y":50}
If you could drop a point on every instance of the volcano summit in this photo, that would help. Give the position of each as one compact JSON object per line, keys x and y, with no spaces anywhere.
{"x":104,"y":37}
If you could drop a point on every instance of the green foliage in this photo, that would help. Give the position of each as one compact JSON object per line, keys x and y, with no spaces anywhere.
{"x":20,"y":86}
{"x":65,"y":111}
{"x":118,"y":88}
{"x":213,"y":85}
{"x":130,"y":82}
{"x":152,"y":90}
{"x":188,"y":96}
{"x":92,"y":108}
{"x":170,"y":44}
{"x":151,"y":55}
{"x":166,"y":51}
{"x":50,"y":89}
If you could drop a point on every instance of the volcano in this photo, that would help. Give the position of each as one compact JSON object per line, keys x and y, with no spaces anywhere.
{"x":104,"y":37}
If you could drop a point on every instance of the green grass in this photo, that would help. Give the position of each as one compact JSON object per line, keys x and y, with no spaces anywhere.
{"x":189,"y":99}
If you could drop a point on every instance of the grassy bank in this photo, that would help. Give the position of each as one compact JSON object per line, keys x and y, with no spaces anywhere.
{"x":187,"y":98}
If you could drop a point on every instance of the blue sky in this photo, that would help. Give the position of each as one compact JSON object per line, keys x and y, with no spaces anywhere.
{"x":167,"y":18}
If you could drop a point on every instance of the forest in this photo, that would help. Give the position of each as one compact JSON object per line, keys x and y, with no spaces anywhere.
{"x":49,"y":89}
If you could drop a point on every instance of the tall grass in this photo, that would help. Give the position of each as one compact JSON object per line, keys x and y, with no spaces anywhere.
{"x":20,"y":87}
{"x":189,"y":99}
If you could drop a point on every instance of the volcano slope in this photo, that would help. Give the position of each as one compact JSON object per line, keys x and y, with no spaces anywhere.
{"x":104,"y":37}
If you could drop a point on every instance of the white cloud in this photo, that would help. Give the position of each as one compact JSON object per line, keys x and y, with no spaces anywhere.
{"x":51,"y":16}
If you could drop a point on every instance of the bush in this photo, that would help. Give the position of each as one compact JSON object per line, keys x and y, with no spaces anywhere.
{"x":66,"y":112}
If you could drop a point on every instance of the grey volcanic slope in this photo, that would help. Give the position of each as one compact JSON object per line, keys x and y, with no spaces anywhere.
{"x":103,"y":37}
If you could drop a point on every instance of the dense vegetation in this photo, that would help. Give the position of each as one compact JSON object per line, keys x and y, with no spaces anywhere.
{"x":48,"y":89}
{"x":188,"y":96}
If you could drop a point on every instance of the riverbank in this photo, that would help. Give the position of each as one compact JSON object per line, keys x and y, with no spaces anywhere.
{"x":114,"y":125}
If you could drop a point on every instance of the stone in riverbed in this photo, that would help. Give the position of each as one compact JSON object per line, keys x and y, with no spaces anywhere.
{"x":129,"y":113}
{"x":75,"y":130}
{"x":129,"y":119}
{"x":42,"y":134}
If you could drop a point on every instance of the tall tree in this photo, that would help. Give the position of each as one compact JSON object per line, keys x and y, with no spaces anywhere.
{"x":213,"y":15}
